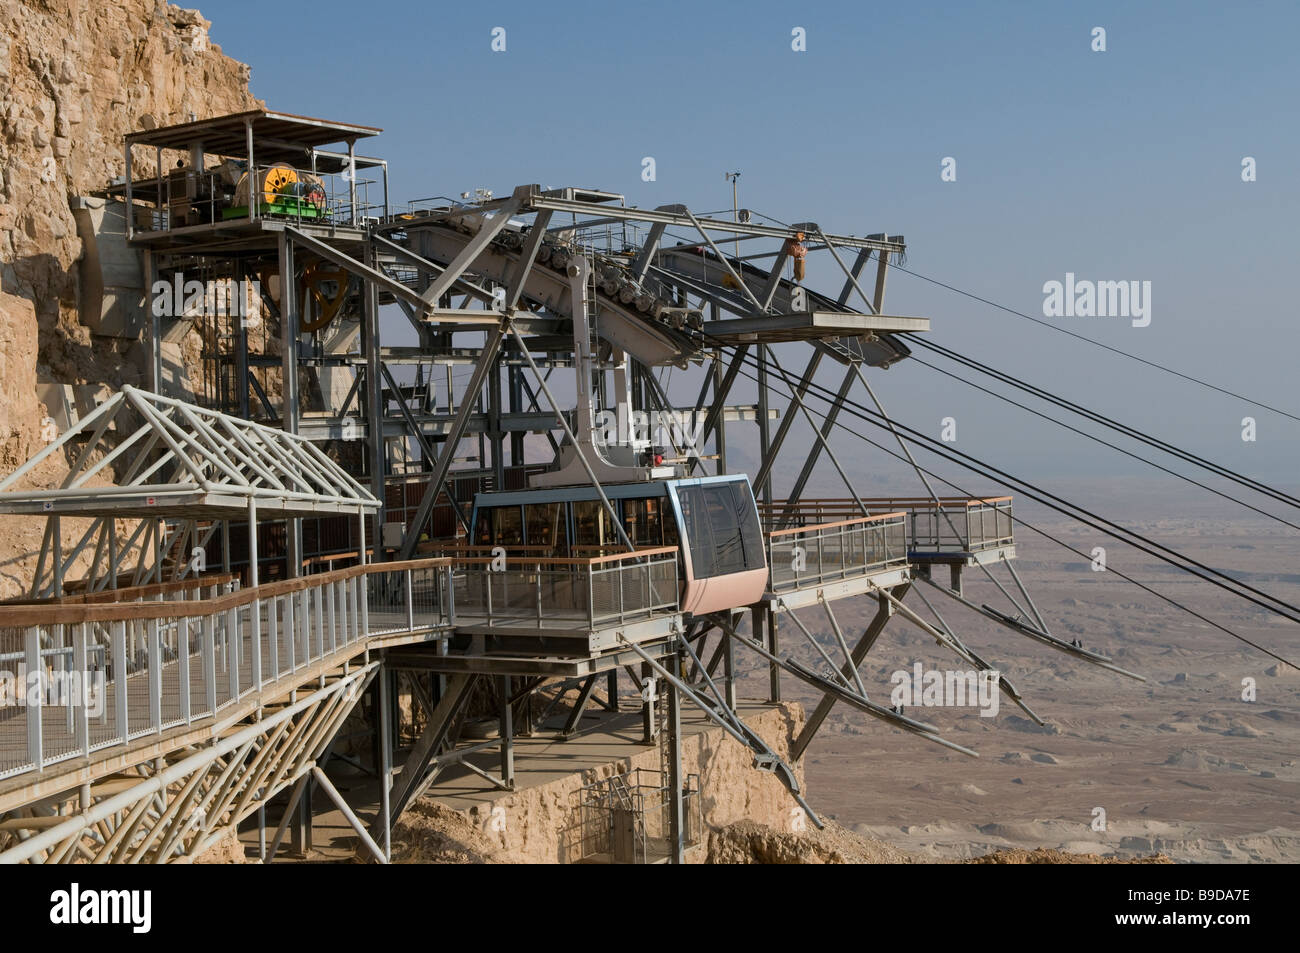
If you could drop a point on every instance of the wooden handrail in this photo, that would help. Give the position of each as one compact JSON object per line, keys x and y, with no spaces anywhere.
{"x":569,"y":561}
{"x":19,"y":616}
{"x":814,"y":527}
{"x":918,"y":501}
{"x":128,"y":593}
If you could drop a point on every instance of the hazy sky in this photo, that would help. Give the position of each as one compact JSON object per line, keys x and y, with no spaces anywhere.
{"x":1116,"y":165}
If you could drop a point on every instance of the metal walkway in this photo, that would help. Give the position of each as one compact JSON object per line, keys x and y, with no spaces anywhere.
{"x":173,"y":711}
{"x":213,"y":699}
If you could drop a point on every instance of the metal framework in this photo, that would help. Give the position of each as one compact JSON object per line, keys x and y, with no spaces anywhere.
{"x":313,"y":412}
{"x":185,"y":472}
{"x":173,"y":811}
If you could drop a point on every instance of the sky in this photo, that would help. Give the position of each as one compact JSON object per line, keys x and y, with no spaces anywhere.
{"x":1122,"y":164}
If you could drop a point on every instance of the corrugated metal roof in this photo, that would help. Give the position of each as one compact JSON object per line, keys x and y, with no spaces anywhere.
{"x":277,"y":136}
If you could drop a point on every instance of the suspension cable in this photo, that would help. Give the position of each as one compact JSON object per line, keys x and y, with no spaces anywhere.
{"x":1065,"y":507}
{"x":1169,"y":600}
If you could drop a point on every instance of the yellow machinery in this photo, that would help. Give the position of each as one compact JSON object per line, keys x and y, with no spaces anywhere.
{"x":281,"y":190}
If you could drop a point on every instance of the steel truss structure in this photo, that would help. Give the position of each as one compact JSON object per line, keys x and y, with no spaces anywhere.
{"x":311,"y":410}
{"x":185,"y":472}
{"x":176,"y":807}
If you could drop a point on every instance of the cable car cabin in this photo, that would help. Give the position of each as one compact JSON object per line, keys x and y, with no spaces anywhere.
{"x":712,"y":521}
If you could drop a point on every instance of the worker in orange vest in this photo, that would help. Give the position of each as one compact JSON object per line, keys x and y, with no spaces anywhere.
{"x":797,"y":251}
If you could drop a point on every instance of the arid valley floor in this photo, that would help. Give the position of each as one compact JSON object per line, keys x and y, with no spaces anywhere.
{"x":1180,"y":764}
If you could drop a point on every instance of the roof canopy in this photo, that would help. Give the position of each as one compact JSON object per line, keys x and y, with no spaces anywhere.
{"x":277,"y":136}
{"x":182,"y":461}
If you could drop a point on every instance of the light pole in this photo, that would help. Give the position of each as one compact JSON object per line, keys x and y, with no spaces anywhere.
{"x":735,"y":207}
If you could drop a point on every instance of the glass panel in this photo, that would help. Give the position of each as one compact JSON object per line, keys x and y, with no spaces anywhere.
{"x":592,"y":530}
{"x":724,"y":520}
{"x":510,"y":528}
{"x":499,"y":526}
{"x":699,"y":536}
{"x":483,"y":528}
{"x":546,"y":526}
{"x":722,"y":528}
{"x":751,"y":534}
{"x":643,"y":521}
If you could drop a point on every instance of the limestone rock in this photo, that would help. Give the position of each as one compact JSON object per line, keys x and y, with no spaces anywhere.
{"x":76,"y":78}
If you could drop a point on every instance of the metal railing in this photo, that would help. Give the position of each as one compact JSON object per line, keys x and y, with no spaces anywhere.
{"x":80,"y":675}
{"x":785,"y":514}
{"x":184,"y":197}
{"x":406,"y":599}
{"x":961,"y":525}
{"x":818,"y":553}
{"x":436,"y":203}
{"x":626,"y":819}
{"x":84,"y":673}
{"x":958,"y":524}
{"x":559,"y":593}
{"x":610,"y":238}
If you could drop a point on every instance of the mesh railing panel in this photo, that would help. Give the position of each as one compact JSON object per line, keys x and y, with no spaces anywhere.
{"x":823,"y":554}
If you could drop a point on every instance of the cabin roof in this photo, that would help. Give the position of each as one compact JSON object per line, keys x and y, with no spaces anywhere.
{"x":648,"y":489}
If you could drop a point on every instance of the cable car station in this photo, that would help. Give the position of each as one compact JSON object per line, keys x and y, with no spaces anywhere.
{"x":369,"y":472}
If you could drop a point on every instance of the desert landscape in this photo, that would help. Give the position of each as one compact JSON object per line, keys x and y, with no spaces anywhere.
{"x":1180,"y":764}
{"x":338,"y":494}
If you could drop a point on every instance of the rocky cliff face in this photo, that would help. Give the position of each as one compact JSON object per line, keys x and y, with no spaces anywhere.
{"x":75,"y":77}
{"x":543,"y":823}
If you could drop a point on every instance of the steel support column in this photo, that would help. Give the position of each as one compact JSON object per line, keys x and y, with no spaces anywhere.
{"x":241,"y":342}
{"x":486,"y":361}
{"x":385,"y":728}
{"x":877,"y":625}
{"x":764,"y":431}
{"x":426,"y":747}
{"x":290,"y":411}
{"x":677,"y":816}
{"x":729,"y":668}
{"x":150,"y":269}
{"x":370,"y":346}
{"x":773,"y":646}
{"x":507,"y":730}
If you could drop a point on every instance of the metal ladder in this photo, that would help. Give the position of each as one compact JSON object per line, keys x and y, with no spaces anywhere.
{"x":621,"y":792}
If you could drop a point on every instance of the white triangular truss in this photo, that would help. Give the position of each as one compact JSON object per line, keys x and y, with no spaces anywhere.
{"x":182,"y":472}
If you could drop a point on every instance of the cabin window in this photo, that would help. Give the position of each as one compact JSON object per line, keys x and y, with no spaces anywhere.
{"x":499,"y":526}
{"x":593,"y":531}
{"x":724,"y":521}
{"x":546,"y":526}
{"x":721,"y":529}
{"x":643,"y":520}
{"x":751,"y":534}
{"x":483,"y":527}
{"x":699,"y":536}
